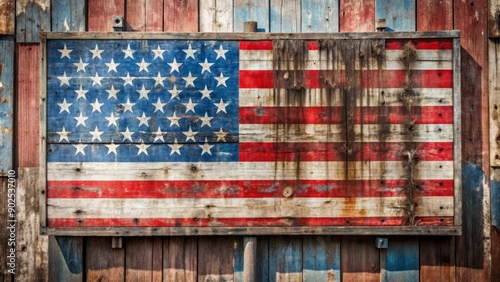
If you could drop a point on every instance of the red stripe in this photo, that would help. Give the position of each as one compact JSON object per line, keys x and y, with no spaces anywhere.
{"x":421,"y":44}
{"x":369,"y":79}
{"x":239,"y":189}
{"x":243,"y":222}
{"x":336,"y":115}
{"x":256,"y":45}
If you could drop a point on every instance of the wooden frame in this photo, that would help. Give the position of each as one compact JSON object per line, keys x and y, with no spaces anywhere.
{"x":456,"y":229}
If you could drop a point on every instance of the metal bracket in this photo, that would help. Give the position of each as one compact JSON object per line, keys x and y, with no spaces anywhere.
{"x":117,"y":23}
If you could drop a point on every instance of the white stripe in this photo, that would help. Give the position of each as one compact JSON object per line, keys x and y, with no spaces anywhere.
{"x":108,"y":171}
{"x":244,"y":207}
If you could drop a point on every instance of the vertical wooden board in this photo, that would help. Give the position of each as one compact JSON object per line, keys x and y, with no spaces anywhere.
{"x":32,"y":17}
{"x":102,"y":262}
{"x":437,"y":258}
{"x":399,"y":15}
{"x":357,"y":15}
{"x":286,"y":16}
{"x":262,"y":258}
{"x":495,"y":223}
{"x":215,"y":258}
{"x":434,"y":15}
{"x":187,"y":22}
{"x":494,"y":101}
{"x":238,"y":263}
{"x":139,"y":259}
{"x":7,"y":16}
{"x":6,"y":104}
{"x":251,"y":10}
{"x":402,"y":260}
{"x":66,"y":258}
{"x":28,"y":105}
{"x":68,"y":15}
{"x":285,"y":258}
{"x":321,"y":255}
{"x":360,"y":259}
{"x":180,"y":256}
{"x":494,"y":18}
{"x":154,"y":15}
{"x":100,"y":14}
{"x":157,"y":259}
{"x":320,"y":15}
{"x":144,"y":15}
{"x":216,"y":16}
{"x":4,"y":233}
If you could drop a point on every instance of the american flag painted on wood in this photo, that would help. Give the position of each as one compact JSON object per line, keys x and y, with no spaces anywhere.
{"x":204,"y":132}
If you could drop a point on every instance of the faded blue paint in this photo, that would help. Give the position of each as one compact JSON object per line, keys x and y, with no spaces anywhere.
{"x":32,"y":20}
{"x":72,"y":253}
{"x":402,"y":260}
{"x":238,"y":259}
{"x":251,"y":10}
{"x":320,"y":15}
{"x":399,"y":14}
{"x":321,"y":258}
{"x":68,"y":15}
{"x":285,"y":16}
{"x":6,"y":103}
{"x":285,"y":257}
{"x":495,"y":203}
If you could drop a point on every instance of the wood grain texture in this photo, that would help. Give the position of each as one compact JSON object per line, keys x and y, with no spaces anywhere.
{"x":139,"y":258}
{"x":102,"y":262}
{"x":494,"y":18}
{"x":69,"y":15}
{"x":251,"y":10}
{"x":262,"y":266}
{"x":434,"y":15}
{"x":216,"y":16}
{"x":32,"y":17}
{"x":215,"y":258}
{"x":357,"y":16}
{"x":7,"y":16}
{"x":5,"y":233}
{"x":360,"y":259}
{"x":66,"y":258}
{"x":180,"y":258}
{"x":7,"y":55}
{"x":437,"y":258}
{"x":286,"y":16}
{"x":402,"y":260}
{"x":321,"y":258}
{"x":494,"y":101}
{"x":285,"y":258}
{"x":187,"y":22}
{"x":320,"y":16}
{"x":144,"y":15}
{"x":399,"y":15}
{"x":100,"y":14}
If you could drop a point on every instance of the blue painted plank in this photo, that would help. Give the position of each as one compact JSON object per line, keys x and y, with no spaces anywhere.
{"x":262,"y":258}
{"x":402,"y":260}
{"x":68,"y":15}
{"x":285,"y":258}
{"x":6,"y":103}
{"x":320,"y":15}
{"x":495,"y":203}
{"x":286,"y":16}
{"x":399,"y":14}
{"x":66,"y":259}
{"x":251,"y":10}
{"x":321,"y":258}
{"x":238,"y":261}
{"x":32,"y":17}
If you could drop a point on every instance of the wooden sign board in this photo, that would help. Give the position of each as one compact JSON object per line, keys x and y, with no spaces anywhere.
{"x":180,"y":134}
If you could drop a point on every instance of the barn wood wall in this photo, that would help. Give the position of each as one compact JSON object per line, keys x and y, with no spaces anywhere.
{"x":281,"y":258}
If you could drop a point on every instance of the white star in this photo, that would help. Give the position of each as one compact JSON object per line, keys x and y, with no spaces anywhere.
{"x":175,"y":148}
{"x":127,"y":79}
{"x":81,"y":93}
{"x":112,"y":92}
{"x":190,"y":106}
{"x":96,"y":79}
{"x":64,"y":79}
{"x":81,"y":120}
{"x":189,"y":52}
{"x":65,"y":52}
{"x":206,"y":120}
{"x":221,"y":135}
{"x":221,"y":53}
{"x":112,"y":120}
{"x":175,"y":66}
{"x":142,"y":148}
{"x":112,"y":148}
{"x":159,"y":79}
{"x":189,"y":134}
{"x":63,"y":135}
{"x":96,"y":134}
{"x":206,"y":66}
{"x":81,"y":66}
{"x":189,"y":80}
{"x":158,"y":52}
{"x":143,"y":66}
{"x":175,"y":93}
{"x":221,"y":80}
{"x":64,"y":106}
{"x":206,"y":148}
{"x":143,"y":93}
{"x":174,"y":120}
{"x":143,"y":120}
{"x":80,"y":148}
{"x":128,"y":52}
{"x":159,"y":105}
{"x":159,"y":135}
{"x":221,"y":106}
{"x":96,"y":106}
{"x":206,"y":93}
{"x":96,"y":52}
{"x":128,"y":106}
{"x":112,"y":66}
{"x":127,"y":135}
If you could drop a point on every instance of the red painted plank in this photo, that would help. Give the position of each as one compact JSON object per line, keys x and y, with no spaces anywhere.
{"x":256,"y":45}
{"x":357,"y":16}
{"x":434,"y":15}
{"x":100,"y":14}
{"x":154,"y":15}
{"x":421,"y":44}
{"x":181,"y":15}
{"x":144,"y":15}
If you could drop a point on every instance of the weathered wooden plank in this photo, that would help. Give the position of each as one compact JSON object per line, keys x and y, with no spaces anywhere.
{"x":321,"y":258}
{"x":102,"y":262}
{"x":434,"y":15}
{"x":437,"y":258}
{"x":216,"y":16}
{"x":66,"y":258}
{"x":360,"y":259}
{"x":285,"y":258}
{"x":262,"y":266}
{"x":215,"y":258}
{"x":251,"y":10}
{"x":320,"y":15}
{"x":28,"y":105}
{"x":157,"y":259}
{"x":69,"y":15}
{"x":402,"y":260}
{"x":7,"y":17}
{"x":32,"y":17}
{"x":180,"y":258}
{"x":357,"y":16}
{"x":494,"y":101}
{"x":494,"y":18}
{"x":495,"y":223}
{"x":6,"y":104}
{"x":285,"y":16}
{"x":399,"y":15}
{"x":187,"y":22}
{"x":100,"y":14}
{"x":5,"y":248}
{"x":239,"y":259}
{"x":144,"y":15}
{"x":139,"y":259}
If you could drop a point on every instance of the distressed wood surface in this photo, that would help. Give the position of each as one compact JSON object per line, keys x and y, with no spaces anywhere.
{"x":66,"y":258}
{"x":6,"y":104}
{"x":399,"y":15}
{"x":144,"y":15}
{"x":69,"y":15}
{"x":32,"y":17}
{"x":216,"y":16}
{"x":187,"y":22}
{"x":357,"y":16}
{"x":239,"y":260}
{"x":7,"y":16}
{"x":360,"y":259}
{"x":251,"y":10}
{"x":494,"y":102}
{"x":402,"y":260}
{"x":5,"y":276}
{"x":434,"y":15}
{"x":102,"y":262}
{"x":285,"y":258}
{"x":320,"y":16}
{"x":262,"y":266}
{"x":437,"y":258}
{"x":180,"y":259}
{"x":285,"y":16}
{"x":100,"y":14}
{"x":141,"y":256}
{"x":494,"y":18}
{"x":321,"y":258}
{"x":218,"y":257}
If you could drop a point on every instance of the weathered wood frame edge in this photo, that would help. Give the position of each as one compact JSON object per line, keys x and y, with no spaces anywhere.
{"x":185,"y":231}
